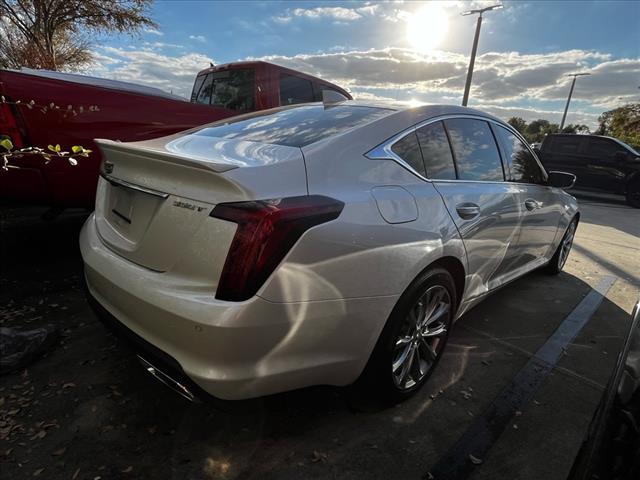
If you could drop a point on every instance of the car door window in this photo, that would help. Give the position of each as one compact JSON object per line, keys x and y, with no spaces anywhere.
{"x":475,"y":150}
{"x":295,"y":90}
{"x":600,"y":147}
{"x":436,"y":152}
{"x":408,"y":150}
{"x":524,"y":167}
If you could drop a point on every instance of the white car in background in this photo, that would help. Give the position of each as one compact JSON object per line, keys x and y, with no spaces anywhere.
{"x":316,"y":244}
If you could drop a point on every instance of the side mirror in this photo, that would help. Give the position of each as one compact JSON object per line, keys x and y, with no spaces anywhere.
{"x":561,"y":179}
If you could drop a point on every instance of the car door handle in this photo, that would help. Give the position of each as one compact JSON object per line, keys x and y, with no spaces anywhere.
{"x":532,"y":204}
{"x":467,"y":211}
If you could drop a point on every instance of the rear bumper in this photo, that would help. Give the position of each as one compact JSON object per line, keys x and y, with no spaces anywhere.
{"x":146,"y":351}
{"x":232,"y":350}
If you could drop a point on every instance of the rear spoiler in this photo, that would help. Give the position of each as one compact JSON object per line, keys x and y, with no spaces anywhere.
{"x":161,"y":154}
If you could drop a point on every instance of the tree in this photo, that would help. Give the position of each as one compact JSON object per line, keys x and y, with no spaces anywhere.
{"x":535,"y":131}
{"x":518,"y":123}
{"x":576,"y":128}
{"x":57,"y":34}
{"x":538,"y":129}
{"x":622,"y":123}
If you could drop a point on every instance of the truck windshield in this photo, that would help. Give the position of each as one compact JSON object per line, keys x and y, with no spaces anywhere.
{"x":296,"y":126}
{"x":230,"y":89}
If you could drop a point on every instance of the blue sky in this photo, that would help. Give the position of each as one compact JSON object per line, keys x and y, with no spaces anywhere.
{"x":526,"y":50}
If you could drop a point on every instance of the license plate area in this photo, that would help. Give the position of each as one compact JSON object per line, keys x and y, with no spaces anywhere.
{"x":123,"y":207}
{"x":129,"y":211}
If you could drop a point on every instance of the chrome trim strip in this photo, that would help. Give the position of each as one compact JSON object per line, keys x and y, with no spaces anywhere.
{"x":384,"y":152}
{"x":167,"y":380}
{"x":124,"y":183}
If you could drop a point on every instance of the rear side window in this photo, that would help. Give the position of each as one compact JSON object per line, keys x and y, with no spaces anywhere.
{"x":475,"y":150}
{"x":318,"y":88}
{"x":230,"y":89}
{"x":295,"y":90}
{"x":565,"y":144}
{"x":436,"y":152}
{"x":524,"y":167}
{"x":295,"y":126}
{"x":408,"y":149}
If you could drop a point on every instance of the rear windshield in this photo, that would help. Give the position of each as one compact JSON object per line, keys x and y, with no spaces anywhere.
{"x":296,"y":126}
{"x":231,"y":89}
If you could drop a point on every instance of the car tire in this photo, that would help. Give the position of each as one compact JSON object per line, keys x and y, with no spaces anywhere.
{"x":559,"y":259}
{"x":380,"y":382}
{"x":633,"y":193}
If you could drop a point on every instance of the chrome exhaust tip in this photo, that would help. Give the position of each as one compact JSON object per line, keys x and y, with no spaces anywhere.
{"x":174,"y":385}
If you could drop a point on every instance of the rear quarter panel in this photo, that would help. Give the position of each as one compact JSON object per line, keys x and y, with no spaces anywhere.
{"x":360,"y":254}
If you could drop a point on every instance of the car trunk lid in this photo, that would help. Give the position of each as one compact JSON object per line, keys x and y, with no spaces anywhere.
{"x":154,"y":198}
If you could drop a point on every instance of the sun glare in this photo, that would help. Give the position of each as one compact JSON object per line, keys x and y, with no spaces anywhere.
{"x":427,"y":28}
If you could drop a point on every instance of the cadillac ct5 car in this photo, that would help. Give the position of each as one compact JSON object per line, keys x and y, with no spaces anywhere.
{"x":327,"y":243}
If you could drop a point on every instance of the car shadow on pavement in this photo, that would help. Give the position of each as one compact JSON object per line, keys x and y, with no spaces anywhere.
{"x":89,"y":406}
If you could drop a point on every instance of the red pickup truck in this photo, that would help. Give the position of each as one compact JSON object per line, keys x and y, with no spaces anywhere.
{"x":44,"y":108}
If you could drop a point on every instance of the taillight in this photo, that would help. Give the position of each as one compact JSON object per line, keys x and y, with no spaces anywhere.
{"x":267,"y":229}
{"x":9,"y":126}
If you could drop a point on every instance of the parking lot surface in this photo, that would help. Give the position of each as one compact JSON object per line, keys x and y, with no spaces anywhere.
{"x":88,"y":410}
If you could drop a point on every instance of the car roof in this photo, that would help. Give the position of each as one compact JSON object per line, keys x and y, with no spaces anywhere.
{"x":419,"y":113}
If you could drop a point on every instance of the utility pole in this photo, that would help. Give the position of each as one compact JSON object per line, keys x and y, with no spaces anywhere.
{"x":566,"y":107}
{"x":474,"y":49}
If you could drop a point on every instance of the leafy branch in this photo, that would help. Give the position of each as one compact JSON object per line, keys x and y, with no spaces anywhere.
{"x":56,"y":152}
{"x":51,"y":107}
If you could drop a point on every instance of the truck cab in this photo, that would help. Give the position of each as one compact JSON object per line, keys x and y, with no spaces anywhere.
{"x":248,"y":86}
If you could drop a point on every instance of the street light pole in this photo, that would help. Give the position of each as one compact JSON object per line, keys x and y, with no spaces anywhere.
{"x":566,"y":107}
{"x":474,"y":49}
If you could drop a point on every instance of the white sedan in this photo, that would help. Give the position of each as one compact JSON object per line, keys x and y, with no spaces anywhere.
{"x":316,"y":244}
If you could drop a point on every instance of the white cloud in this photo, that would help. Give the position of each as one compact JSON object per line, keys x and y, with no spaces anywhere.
{"x":282,"y":19}
{"x":198,"y":38}
{"x":530,"y":113}
{"x":338,"y":14}
{"x":159,"y":45}
{"x":504,"y":83}
{"x":153,"y":31}
{"x":501,"y":79}
{"x":170,"y":73}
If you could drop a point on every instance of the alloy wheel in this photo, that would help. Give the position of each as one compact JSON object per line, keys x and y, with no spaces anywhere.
{"x":567,"y":243}
{"x":422,"y":336}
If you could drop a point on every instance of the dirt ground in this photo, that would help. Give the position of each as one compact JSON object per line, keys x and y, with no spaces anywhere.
{"x":87,"y":410}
